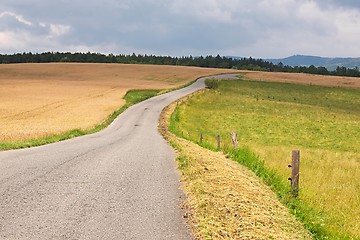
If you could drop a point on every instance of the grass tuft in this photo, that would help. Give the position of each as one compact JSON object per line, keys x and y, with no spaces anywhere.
{"x":212,"y":83}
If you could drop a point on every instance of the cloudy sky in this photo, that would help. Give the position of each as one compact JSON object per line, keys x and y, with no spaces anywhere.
{"x":257,"y":28}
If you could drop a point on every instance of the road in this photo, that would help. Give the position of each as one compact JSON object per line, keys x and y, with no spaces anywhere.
{"x":120,"y":183}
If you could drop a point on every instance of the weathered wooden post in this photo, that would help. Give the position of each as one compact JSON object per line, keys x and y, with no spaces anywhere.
{"x":201,"y":137}
{"x":218,"y":141}
{"x":234,"y":139}
{"x":295,"y":173}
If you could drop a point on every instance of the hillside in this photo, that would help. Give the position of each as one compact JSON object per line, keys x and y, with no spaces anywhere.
{"x":329,"y":63}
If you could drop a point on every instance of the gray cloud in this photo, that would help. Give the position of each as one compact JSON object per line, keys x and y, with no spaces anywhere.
{"x":350,"y":4}
{"x":263,"y":28}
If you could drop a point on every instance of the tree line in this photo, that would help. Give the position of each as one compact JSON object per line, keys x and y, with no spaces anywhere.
{"x":208,"y":62}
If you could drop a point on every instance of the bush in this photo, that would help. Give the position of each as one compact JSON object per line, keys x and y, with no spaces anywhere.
{"x":212,"y":83}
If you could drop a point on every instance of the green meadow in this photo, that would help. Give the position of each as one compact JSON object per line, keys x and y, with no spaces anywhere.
{"x":272,"y":119}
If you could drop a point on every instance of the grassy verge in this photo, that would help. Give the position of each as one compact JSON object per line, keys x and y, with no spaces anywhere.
{"x":311,"y":218}
{"x":132,"y":97}
{"x":224,"y":199}
{"x":274,"y":118}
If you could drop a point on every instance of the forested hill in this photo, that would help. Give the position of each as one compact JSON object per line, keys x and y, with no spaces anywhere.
{"x":208,"y":61}
{"x":329,"y":63}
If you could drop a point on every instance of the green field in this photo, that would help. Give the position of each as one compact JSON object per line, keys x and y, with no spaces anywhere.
{"x":271,"y":119}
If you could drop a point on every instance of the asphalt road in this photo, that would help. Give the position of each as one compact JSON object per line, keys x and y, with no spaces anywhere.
{"x":120,"y":183}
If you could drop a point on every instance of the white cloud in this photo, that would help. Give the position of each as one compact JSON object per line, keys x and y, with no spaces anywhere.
{"x":348,"y":27}
{"x":19,"y":18}
{"x":17,"y":41}
{"x":11,"y":40}
{"x":209,"y":11}
{"x":30,"y":36}
{"x":57,"y":30}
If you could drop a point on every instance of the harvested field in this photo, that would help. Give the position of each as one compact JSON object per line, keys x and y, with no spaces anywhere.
{"x":39,"y":100}
{"x":302,"y":78}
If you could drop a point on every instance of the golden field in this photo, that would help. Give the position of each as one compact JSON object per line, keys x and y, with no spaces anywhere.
{"x":303,"y":78}
{"x":39,"y":100}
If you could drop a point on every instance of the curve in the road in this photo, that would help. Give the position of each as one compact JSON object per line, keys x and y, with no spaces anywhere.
{"x":120,"y":183}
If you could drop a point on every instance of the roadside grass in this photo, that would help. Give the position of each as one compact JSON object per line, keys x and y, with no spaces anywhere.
{"x":224,"y":199}
{"x":132,"y":97}
{"x":271,"y":119}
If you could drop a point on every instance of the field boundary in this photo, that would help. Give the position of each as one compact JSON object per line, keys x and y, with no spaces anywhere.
{"x":308,"y":216}
{"x":215,"y":209}
{"x":271,"y":131}
{"x":144,"y":94}
{"x":305,"y":213}
{"x":139,"y":95}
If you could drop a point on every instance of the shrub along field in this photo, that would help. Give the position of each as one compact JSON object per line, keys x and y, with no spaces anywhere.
{"x":38,"y":101}
{"x":271,"y":119}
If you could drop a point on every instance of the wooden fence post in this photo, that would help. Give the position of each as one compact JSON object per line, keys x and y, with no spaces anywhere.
{"x":234,"y":139}
{"x":201,"y":137}
{"x":295,"y":173}
{"x":218,"y":141}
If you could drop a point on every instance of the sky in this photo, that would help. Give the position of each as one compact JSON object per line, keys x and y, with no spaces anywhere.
{"x":257,"y":28}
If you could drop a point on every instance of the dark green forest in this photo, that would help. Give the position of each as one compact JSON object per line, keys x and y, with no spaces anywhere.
{"x":208,"y":61}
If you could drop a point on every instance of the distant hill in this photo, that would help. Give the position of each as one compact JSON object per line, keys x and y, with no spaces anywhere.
{"x":329,"y":63}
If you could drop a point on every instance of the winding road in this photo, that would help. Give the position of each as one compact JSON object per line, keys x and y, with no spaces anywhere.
{"x":120,"y":183}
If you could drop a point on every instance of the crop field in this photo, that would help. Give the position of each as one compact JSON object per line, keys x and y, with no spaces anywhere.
{"x":40,"y":100}
{"x":272,"y":119}
{"x":303,"y":78}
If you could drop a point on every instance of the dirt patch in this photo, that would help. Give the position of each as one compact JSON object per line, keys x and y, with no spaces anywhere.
{"x":226,"y":200}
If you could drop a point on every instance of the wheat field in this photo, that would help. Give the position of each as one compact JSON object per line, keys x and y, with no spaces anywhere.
{"x":303,"y":78}
{"x":40,"y":100}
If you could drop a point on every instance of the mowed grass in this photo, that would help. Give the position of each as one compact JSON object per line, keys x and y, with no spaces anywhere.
{"x":224,"y":200}
{"x":272,"y":119}
{"x":38,"y":101}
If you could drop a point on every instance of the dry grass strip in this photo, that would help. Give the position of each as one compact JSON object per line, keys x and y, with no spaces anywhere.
{"x":226,"y":200}
{"x":303,"y":78}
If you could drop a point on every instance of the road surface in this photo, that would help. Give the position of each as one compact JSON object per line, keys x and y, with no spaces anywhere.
{"x":120,"y":183}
